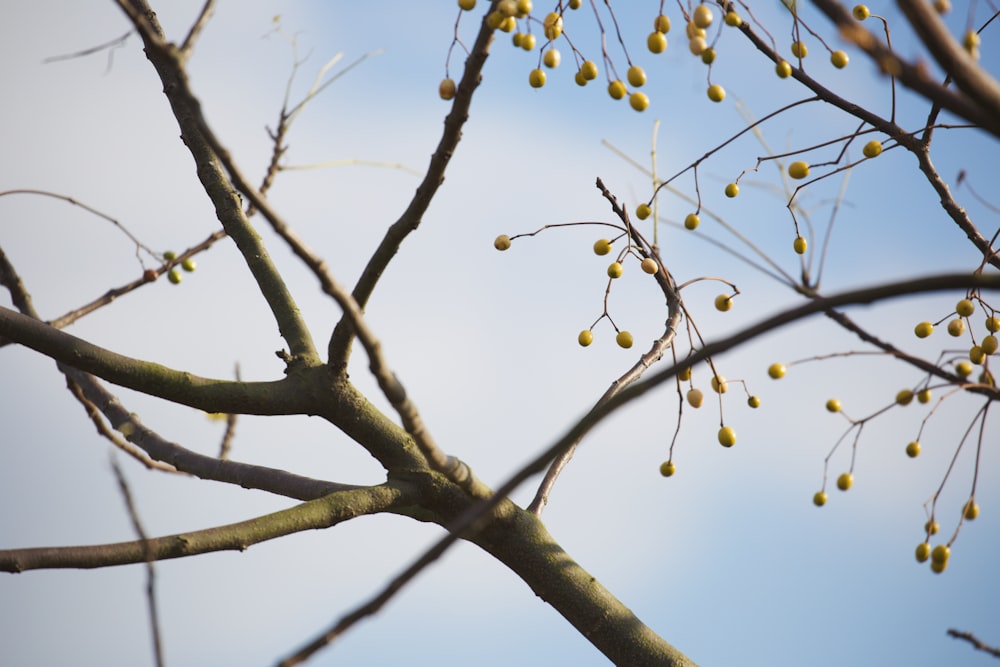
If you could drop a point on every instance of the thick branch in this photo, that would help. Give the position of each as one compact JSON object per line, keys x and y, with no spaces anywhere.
{"x":961,"y":67}
{"x":316,"y":514}
{"x":913,"y":76}
{"x":282,"y":397}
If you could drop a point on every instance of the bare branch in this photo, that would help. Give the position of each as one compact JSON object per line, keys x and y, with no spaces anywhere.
{"x":976,"y":643}
{"x":340,"y":340}
{"x":214,"y":162}
{"x":133,"y":514}
{"x":316,"y":514}
{"x":203,"y":17}
{"x":280,"y":397}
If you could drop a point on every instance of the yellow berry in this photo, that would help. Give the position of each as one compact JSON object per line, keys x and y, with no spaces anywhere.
{"x":727,"y":436}
{"x":754,"y":401}
{"x":845,"y":481}
{"x":989,"y":344}
{"x":798,"y":170}
{"x":776,"y":371}
{"x":971,"y":41}
{"x":624,"y":339}
{"x":691,"y":221}
{"x":819,"y":498}
{"x":585,"y":338}
{"x":971,"y":510}
{"x":938,"y":567}
{"x":783,"y":69}
{"x":872,"y":149}
{"x":799,"y":49}
{"x":524,"y":8}
{"x":956,"y":327}
{"x":616,"y":89}
{"x":976,"y":355}
{"x":667,"y":468}
{"x":839,"y":59}
{"x":702,"y":16}
{"x":923,"y":330}
{"x":684,"y":375}
{"x":501,"y":242}
{"x":733,"y":20}
{"x":692,"y":30}
{"x":963,"y":369}
{"x":636,"y":76}
{"x":942,"y":6}
{"x":508,"y":24}
{"x":861,"y":12}
{"x":575,"y":4}
{"x":800,"y":245}
{"x":467,"y":5}
{"x":589,"y":70}
{"x":602,"y":247}
{"x":615,"y":270}
{"x":661,"y":23}
{"x":719,"y":384}
{"x":924,"y":395}
{"x":446,"y":89}
{"x":517,"y":39}
{"x":189,"y":265}
{"x":965,"y":307}
{"x":940,"y":553}
{"x":723,"y":303}
{"x":579,"y":78}
{"x":638,"y":101}
{"x":536,"y":79}
{"x":553,"y":25}
{"x":528,"y":42}
{"x":913,"y":449}
{"x":931,"y":527}
{"x":642,"y":211}
{"x":695,"y":397}
{"x":552,"y":58}
{"x":732,"y":190}
{"x":993,"y":324}
{"x":174,"y":276}
{"x":507,"y":7}
{"x":833,"y":405}
{"x":904,"y":397}
{"x":716,"y":93}
{"x":656,"y":42}
{"x":923,"y":552}
{"x":697,"y":45}
{"x":708,"y":56}
{"x":649,"y":265}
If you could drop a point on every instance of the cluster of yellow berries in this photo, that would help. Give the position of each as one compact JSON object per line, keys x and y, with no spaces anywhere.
{"x":980,"y":352}
{"x":506,"y":13}
{"x":940,"y":554}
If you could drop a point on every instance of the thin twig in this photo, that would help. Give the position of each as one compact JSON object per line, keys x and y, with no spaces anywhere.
{"x":133,"y":513}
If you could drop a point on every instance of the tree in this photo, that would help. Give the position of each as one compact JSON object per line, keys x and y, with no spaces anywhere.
{"x":419,"y":336}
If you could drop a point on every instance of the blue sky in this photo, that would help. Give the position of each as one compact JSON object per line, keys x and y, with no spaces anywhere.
{"x":728,"y":560}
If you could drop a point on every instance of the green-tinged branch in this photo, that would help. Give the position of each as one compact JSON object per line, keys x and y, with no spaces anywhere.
{"x":280,"y":397}
{"x":316,"y":514}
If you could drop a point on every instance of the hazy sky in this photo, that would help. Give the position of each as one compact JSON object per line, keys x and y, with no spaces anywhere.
{"x":728,"y":560}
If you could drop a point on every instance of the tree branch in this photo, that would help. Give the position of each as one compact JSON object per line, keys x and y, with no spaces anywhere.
{"x":209,"y":157}
{"x":281,"y":397}
{"x":340,"y":340}
{"x":915,"y":77}
{"x":316,"y":514}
